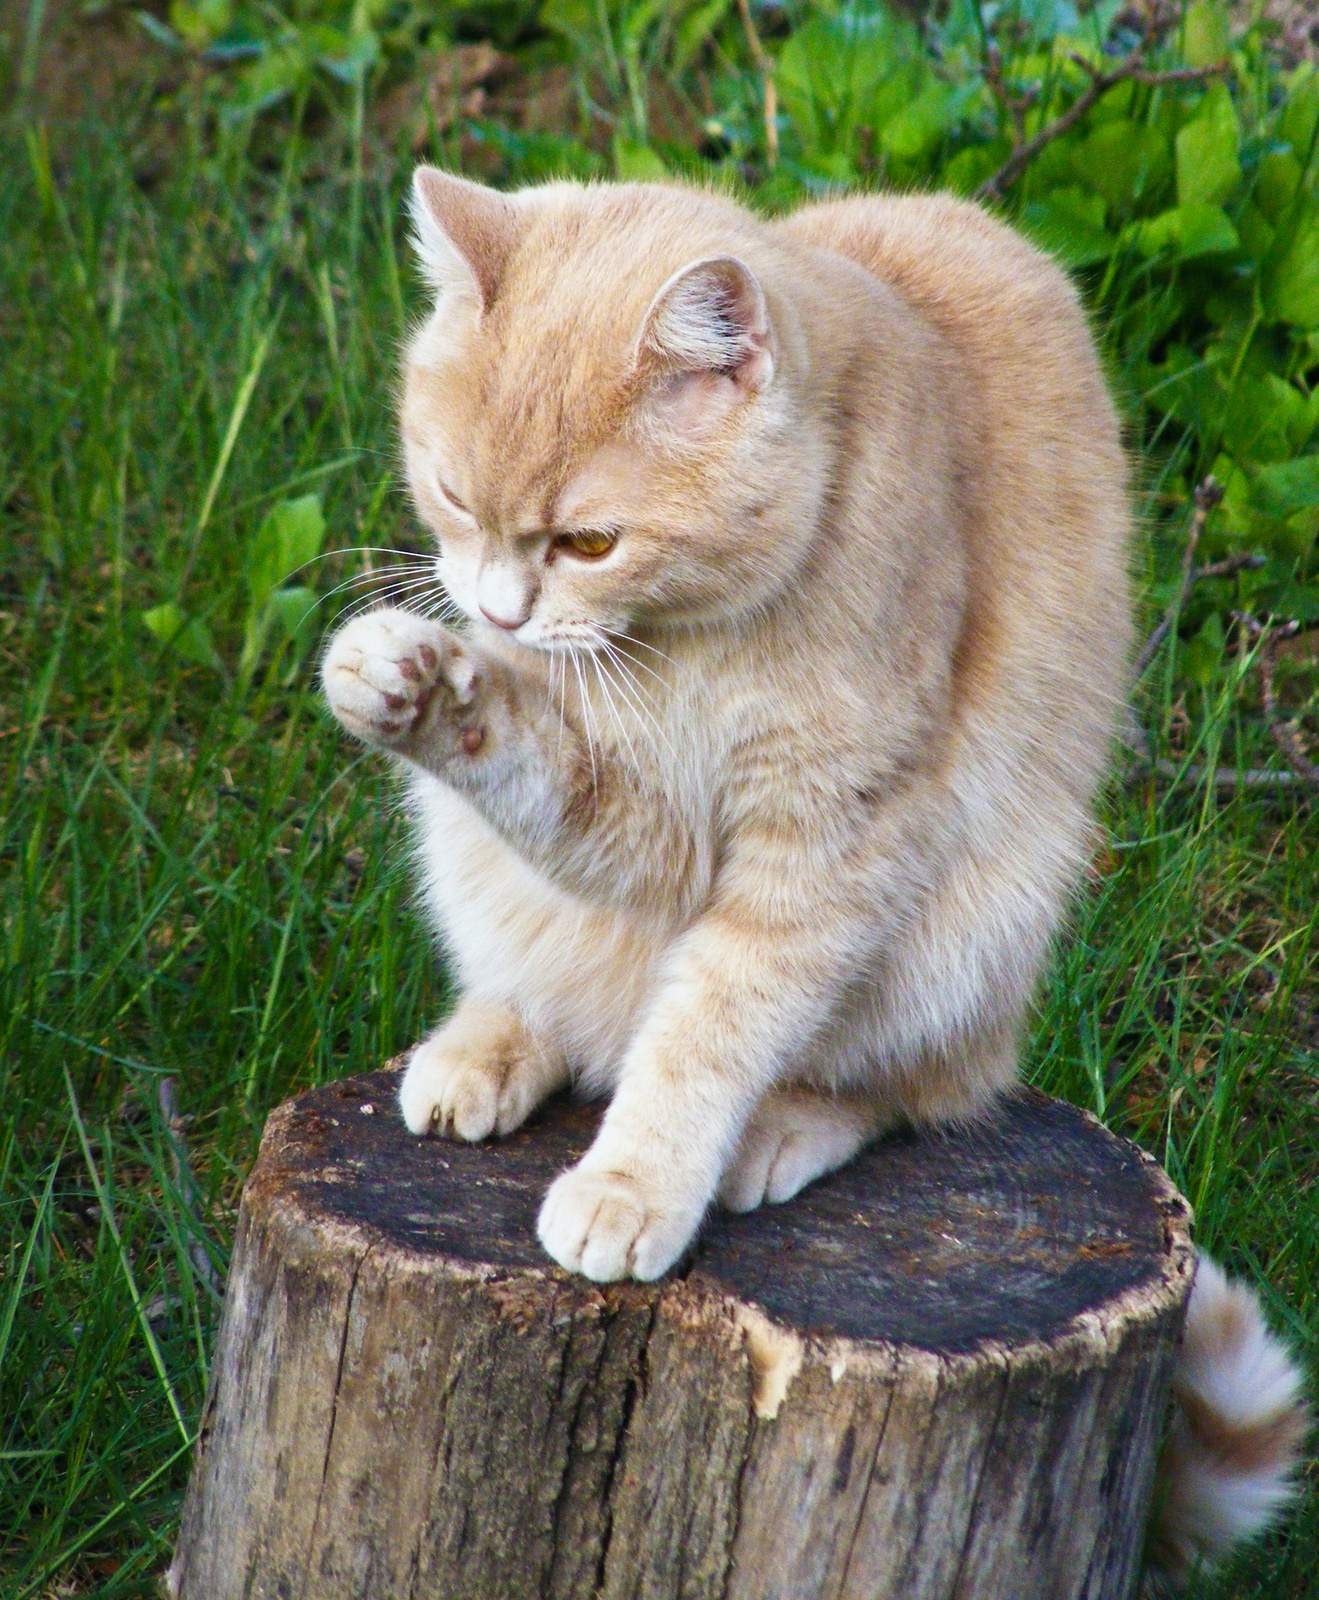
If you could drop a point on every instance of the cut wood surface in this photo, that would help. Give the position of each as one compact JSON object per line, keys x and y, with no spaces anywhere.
{"x":942,"y":1371}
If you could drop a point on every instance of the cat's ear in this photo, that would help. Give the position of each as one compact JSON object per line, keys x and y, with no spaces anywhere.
{"x":710,"y":321}
{"x":463,"y":234}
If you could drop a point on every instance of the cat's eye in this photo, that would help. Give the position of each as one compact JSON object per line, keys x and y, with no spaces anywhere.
{"x":589,"y":542}
{"x":446,"y":493}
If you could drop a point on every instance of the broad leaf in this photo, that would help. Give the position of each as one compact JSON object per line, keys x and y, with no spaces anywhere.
{"x":1069,"y":224}
{"x":188,"y":637}
{"x":1189,"y":231}
{"x":288,"y":539}
{"x":1123,"y":161}
{"x":1205,"y":33}
{"x":1288,"y":486}
{"x":1207,"y":166}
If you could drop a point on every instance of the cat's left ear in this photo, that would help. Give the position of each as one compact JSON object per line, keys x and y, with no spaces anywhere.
{"x":710,"y":322}
{"x":464,"y":235}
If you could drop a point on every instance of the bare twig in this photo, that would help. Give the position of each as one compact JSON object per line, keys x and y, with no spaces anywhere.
{"x":1131,"y":70}
{"x":765,"y":66}
{"x":1016,"y":105}
{"x":1207,"y":495}
{"x":184,"y":1179}
{"x":1224,"y":779}
{"x":1284,"y":733}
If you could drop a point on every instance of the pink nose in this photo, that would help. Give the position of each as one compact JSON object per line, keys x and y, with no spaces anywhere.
{"x":502,"y":622}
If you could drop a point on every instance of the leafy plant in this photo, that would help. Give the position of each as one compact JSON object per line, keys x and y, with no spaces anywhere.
{"x":276,"y":612}
{"x":288,"y":541}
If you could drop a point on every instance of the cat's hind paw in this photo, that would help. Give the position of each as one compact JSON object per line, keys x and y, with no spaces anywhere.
{"x":384,"y":669}
{"x":608,"y":1225}
{"x":794,"y":1137}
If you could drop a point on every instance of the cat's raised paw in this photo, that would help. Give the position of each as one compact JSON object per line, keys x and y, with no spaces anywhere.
{"x":384,"y":669}
{"x":606,"y":1225}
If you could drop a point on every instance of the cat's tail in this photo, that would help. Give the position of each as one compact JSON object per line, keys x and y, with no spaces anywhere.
{"x":1239,"y":1420}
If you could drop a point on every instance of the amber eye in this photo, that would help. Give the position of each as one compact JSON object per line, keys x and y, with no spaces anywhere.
{"x":589,"y":542}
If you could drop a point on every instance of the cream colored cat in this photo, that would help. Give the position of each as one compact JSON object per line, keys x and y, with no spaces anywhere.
{"x":793,"y":563}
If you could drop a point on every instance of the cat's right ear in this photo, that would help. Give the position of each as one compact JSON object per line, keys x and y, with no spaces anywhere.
{"x":463,"y":234}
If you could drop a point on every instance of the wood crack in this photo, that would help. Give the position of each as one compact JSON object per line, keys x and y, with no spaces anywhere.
{"x":334,"y":1416}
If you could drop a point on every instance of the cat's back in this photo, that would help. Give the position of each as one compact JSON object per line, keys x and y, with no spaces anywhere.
{"x":1010,"y":312}
{"x":1045,"y":474}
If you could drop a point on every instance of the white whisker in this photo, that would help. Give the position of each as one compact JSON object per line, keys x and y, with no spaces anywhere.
{"x":586,"y":717}
{"x":598,"y":662}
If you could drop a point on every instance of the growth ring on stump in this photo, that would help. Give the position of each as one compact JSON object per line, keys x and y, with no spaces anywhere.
{"x":940,"y":1372}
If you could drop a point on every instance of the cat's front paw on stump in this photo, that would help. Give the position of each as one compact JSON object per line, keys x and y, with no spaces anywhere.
{"x":389,"y":671}
{"x":610,"y":1225}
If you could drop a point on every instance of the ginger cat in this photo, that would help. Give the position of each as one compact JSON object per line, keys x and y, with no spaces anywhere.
{"x":793,"y":562}
{"x":792,"y":558}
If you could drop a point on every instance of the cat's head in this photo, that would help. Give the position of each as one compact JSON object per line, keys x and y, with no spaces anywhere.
{"x":601,"y":415}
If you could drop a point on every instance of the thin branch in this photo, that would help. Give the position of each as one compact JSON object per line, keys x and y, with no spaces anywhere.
{"x":1207,"y":496}
{"x":1016,"y":105}
{"x":184,"y":1180}
{"x":765,"y":66}
{"x":1223,"y":778}
{"x":1131,"y":70}
{"x":1284,"y":733}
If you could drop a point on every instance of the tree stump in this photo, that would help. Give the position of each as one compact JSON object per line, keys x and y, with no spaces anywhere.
{"x":942,"y":1371}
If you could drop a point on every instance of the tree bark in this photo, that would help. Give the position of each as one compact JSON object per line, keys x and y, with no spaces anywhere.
{"x":940,"y":1372}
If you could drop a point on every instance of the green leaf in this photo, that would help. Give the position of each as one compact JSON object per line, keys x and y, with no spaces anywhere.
{"x":1297,"y":601}
{"x":289,"y":610}
{"x":266,"y":82}
{"x":969,"y":168}
{"x":188,"y":637}
{"x":1200,"y":659}
{"x":1301,"y":115}
{"x":1257,"y":235}
{"x":1205,"y":33}
{"x":919,"y":126}
{"x":693,"y":32}
{"x":847,"y":71}
{"x":1189,"y":231}
{"x":577,"y":20}
{"x":1123,"y":161}
{"x":1288,"y":486}
{"x":1277,"y":182}
{"x":201,"y":22}
{"x":1069,"y":224}
{"x":1263,"y":418}
{"x":1291,"y":276}
{"x":637,"y":163}
{"x":288,"y":539}
{"x":346,"y":56}
{"x":1207,"y":165}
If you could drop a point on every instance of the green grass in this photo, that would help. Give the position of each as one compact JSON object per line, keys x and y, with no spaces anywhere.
{"x":201,"y":880}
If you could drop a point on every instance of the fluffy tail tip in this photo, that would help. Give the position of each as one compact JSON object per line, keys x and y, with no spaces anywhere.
{"x":1239,"y":1421}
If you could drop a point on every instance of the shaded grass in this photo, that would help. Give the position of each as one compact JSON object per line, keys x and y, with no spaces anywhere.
{"x":201,"y":880}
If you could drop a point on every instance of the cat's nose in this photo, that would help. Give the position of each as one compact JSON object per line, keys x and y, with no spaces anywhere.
{"x":502,"y":622}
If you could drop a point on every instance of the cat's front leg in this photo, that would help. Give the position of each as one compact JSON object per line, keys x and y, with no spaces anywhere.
{"x":745,"y":992}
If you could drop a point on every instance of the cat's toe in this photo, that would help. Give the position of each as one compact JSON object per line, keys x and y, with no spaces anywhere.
{"x":603,"y":1225}
{"x":790,"y":1142}
{"x":744,"y":1183}
{"x":381,"y":669}
{"x":797,"y":1162}
{"x":446,"y":1097}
